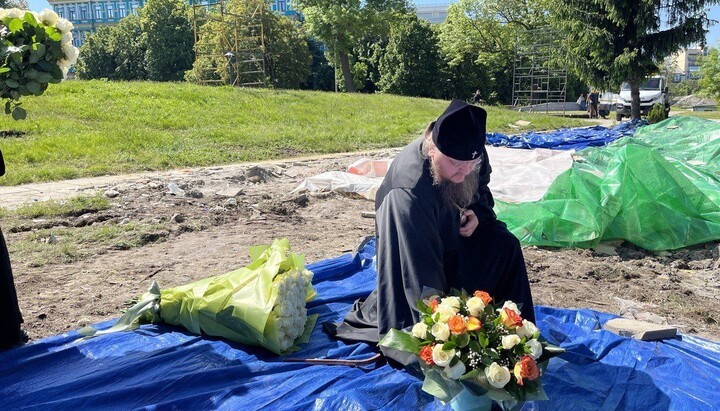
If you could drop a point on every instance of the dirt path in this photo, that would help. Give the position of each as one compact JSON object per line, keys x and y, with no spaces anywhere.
{"x":78,"y":270}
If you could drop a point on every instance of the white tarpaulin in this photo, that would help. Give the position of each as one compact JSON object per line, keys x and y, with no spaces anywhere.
{"x":518,"y":175}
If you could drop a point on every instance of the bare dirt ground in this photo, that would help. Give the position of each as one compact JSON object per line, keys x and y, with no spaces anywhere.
{"x":206,"y":227}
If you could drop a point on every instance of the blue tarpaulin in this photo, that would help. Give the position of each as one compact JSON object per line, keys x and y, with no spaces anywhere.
{"x":163,"y":367}
{"x":565,"y":138}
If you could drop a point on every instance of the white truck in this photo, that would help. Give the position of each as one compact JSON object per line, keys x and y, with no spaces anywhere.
{"x":653,"y":90}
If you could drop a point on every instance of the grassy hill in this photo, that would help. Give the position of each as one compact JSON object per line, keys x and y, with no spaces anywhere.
{"x":86,"y":128}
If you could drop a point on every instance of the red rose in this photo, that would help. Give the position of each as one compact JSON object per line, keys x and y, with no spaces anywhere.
{"x":426,"y":354}
{"x":526,"y":368}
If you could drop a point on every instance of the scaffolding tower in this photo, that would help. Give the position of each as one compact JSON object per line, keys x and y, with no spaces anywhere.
{"x":229,"y":47}
{"x":539,"y":79}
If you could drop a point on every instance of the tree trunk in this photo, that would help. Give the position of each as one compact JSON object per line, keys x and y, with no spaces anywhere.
{"x":347,"y":74}
{"x":635,"y":96}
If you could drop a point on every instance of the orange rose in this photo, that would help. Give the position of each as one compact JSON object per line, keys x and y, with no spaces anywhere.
{"x":526,"y":368}
{"x":485,"y":297}
{"x":510,"y":319}
{"x":473,"y":323}
{"x":433,"y":304}
{"x":456,"y":324}
{"x":426,"y":354}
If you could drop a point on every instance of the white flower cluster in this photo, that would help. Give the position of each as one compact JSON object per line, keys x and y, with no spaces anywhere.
{"x":289,"y":310}
{"x":50,"y":18}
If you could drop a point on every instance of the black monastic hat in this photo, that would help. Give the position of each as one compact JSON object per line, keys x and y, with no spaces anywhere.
{"x":459,"y":132}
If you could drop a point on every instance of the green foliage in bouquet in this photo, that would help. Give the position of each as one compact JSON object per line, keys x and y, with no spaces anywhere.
{"x":469,"y":349}
{"x":36,"y":50}
{"x":261,"y":304}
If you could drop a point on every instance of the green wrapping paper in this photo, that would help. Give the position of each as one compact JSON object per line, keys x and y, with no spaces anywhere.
{"x":262,"y":304}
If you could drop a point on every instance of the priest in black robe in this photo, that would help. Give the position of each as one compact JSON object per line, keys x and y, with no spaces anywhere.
{"x":10,"y":318}
{"x":436,"y":228}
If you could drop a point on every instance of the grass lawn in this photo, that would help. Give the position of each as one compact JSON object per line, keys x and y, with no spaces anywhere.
{"x":711,"y":115}
{"x":87,"y":128}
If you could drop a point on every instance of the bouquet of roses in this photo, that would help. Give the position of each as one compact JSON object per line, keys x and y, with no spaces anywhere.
{"x":473,"y":354}
{"x":261,"y":304}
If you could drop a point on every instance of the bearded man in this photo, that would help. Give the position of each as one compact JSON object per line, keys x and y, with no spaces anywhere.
{"x":436,"y":228}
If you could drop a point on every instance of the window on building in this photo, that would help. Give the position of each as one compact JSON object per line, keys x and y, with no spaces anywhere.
{"x":111,"y":13}
{"x":122,"y":11}
{"x":83,"y":13}
{"x":99,"y":12}
{"x":61,"y":12}
{"x":71,"y":14}
{"x":282,"y":5}
{"x":134,"y":6}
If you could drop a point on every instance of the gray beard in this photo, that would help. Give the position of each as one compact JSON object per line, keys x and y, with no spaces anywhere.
{"x":459,"y":195}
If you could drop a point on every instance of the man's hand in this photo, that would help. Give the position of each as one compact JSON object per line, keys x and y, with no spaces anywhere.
{"x":471,"y":223}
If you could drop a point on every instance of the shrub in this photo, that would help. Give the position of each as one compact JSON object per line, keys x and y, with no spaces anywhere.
{"x":656,"y":114}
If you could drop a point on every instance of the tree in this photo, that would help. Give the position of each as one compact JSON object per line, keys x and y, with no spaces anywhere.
{"x":710,"y":71}
{"x":286,"y":54}
{"x":411,"y":64}
{"x":611,"y":41}
{"x":339,"y":24}
{"x":168,"y":37}
{"x":96,"y":59}
{"x":478,"y":41}
{"x":115,"y":52}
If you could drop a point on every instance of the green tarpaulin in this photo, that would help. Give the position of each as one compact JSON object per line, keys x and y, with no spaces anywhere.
{"x":659,"y":189}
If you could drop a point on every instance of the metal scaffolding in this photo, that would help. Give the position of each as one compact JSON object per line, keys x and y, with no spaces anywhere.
{"x":229,"y":47}
{"x":539,"y":78}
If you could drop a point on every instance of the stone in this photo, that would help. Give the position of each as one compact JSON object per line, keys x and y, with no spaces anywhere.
{"x":230,"y":192}
{"x":112,"y":193}
{"x":639,"y":330}
{"x":177,"y":218}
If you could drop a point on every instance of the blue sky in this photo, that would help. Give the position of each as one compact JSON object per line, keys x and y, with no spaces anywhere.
{"x":713,"y":37}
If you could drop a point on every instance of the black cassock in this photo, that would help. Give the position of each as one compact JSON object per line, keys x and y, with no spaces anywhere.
{"x":419,"y":245}
{"x":10,"y":318}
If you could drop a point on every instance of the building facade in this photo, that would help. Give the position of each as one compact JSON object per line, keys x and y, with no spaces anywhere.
{"x":686,"y":65}
{"x":434,"y":13}
{"x":88,"y":15}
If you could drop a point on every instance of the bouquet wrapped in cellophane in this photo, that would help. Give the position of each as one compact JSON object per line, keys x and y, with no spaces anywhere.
{"x":473,"y":354}
{"x":262,"y":304}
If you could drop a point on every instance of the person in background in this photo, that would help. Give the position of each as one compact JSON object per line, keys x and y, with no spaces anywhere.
{"x":594,"y":101}
{"x":436,"y":228}
{"x":10,"y":318}
{"x":582,"y":101}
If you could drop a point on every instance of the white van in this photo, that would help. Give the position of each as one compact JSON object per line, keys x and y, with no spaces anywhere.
{"x":653,"y":90}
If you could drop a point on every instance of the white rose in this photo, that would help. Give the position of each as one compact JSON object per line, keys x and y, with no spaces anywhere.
{"x":15,"y":13}
{"x":445,"y":312}
{"x":456,"y":371}
{"x":442,"y":357}
{"x":475,"y":306}
{"x":49,"y":17}
{"x":510,"y":341}
{"x":441,"y":331}
{"x":453,"y":302}
{"x":535,"y":348}
{"x":419,"y":330}
{"x":527,"y":330}
{"x":497,"y":375}
{"x":511,"y":305}
{"x":64,"y":25}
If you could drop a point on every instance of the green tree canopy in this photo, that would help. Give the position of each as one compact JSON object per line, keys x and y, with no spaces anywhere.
{"x":710,"y":71}
{"x":411,"y":64}
{"x":340,"y":24}
{"x":168,"y":36}
{"x":115,"y":52}
{"x":611,"y":41}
